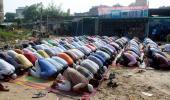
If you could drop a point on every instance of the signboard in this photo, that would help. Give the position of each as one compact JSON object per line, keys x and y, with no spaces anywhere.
{"x":123,"y":12}
{"x":139,"y":8}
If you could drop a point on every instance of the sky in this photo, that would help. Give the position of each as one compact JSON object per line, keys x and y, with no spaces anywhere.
{"x":77,"y":5}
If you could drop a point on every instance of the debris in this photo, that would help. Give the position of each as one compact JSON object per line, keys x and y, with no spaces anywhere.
{"x":39,"y":95}
{"x":131,"y":97}
{"x":147,"y":94}
{"x":127,"y":75}
{"x":112,"y":84}
{"x":112,"y":76}
{"x":3,"y":88}
{"x":140,"y":71}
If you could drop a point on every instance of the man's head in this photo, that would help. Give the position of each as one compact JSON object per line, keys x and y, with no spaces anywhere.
{"x":94,"y":82}
{"x":120,"y":60}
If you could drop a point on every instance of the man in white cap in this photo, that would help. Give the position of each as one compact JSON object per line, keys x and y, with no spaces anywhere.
{"x":71,"y":79}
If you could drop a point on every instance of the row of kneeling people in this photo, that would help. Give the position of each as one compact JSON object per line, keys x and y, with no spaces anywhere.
{"x":154,"y":56}
{"x":131,"y":55}
{"x":86,"y":75}
{"x":38,"y":61}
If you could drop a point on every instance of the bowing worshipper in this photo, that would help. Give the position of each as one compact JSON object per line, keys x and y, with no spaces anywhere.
{"x":110,"y":50}
{"x":26,"y":64}
{"x":85,"y":50}
{"x":12,"y":53}
{"x":10,"y":60}
{"x":72,"y":80}
{"x":24,"y":61}
{"x":57,"y":65}
{"x":31,"y":49}
{"x":166,"y":48}
{"x":76,"y":44}
{"x":67,"y":58}
{"x":116,"y":46}
{"x":3,"y":88}
{"x":39,"y":47}
{"x":31,"y":43}
{"x":97,"y":61}
{"x":31,"y":57}
{"x":69,"y":46}
{"x":62,"y":47}
{"x":60,"y":60}
{"x":50,"y":52}
{"x":85,"y":72}
{"x":76,"y":55}
{"x":72,"y":55}
{"x":43,"y":69}
{"x":57,"y":50}
{"x":150,"y":49}
{"x":19,"y":51}
{"x":158,"y":61}
{"x":92,"y":67}
{"x":43,"y":53}
{"x":7,"y":71}
{"x":37,"y":55}
{"x":93,"y":48}
{"x":106,"y":57}
{"x":134,"y":49}
{"x":127,"y":59}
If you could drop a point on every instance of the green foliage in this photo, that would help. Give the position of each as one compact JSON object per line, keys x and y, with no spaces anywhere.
{"x":36,"y":11}
{"x":12,"y":35}
{"x":168,"y":38}
{"x":10,"y":17}
{"x":33,"y":12}
{"x":4,"y":35}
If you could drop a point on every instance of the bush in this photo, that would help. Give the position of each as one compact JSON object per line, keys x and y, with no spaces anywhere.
{"x":168,"y":38}
{"x":6,"y":35}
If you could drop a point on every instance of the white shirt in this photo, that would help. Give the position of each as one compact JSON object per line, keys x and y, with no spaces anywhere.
{"x":5,"y":68}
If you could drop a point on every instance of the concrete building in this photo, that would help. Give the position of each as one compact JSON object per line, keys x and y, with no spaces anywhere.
{"x":1,"y":11}
{"x":19,"y":12}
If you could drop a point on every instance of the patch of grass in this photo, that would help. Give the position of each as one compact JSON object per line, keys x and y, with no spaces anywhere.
{"x":168,"y":38}
{"x":6,"y":35}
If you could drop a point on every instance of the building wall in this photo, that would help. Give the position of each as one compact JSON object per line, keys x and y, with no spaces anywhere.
{"x":19,"y":12}
{"x":1,"y":11}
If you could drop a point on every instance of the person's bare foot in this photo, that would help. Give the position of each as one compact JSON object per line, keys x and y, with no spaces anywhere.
{"x":53,"y":86}
{"x":3,"y":88}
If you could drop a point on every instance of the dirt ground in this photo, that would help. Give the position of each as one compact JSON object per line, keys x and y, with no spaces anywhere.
{"x":130,"y":87}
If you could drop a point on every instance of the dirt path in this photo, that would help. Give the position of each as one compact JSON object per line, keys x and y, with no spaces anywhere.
{"x":131,"y":86}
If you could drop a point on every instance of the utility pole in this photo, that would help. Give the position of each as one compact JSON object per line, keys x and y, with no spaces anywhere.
{"x":41,"y":19}
{"x":47,"y":25}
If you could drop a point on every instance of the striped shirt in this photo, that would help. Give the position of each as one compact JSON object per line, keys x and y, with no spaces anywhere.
{"x":43,"y":53}
{"x":103,"y":54}
{"x":90,"y":65}
{"x":96,"y":60}
{"x":84,"y":72}
{"x":74,"y":76}
{"x":60,"y":60}
{"x":85,"y":50}
{"x":66,"y":58}
{"x":50,"y":52}
{"x":58,"y":66}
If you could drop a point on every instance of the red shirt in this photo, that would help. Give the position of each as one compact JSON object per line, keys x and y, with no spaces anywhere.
{"x":30,"y":57}
{"x":66,"y":57}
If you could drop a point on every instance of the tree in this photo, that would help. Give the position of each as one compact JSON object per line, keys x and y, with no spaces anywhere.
{"x":33,"y":12}
{"x":36,"y":11}
{"x":117,"y":5}
{"x":10,"y":17}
